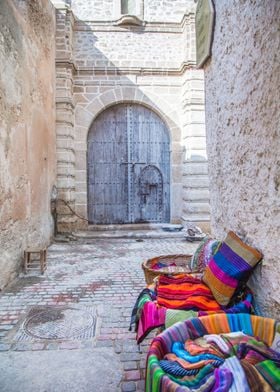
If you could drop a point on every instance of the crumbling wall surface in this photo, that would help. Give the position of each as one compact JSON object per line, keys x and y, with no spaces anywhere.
{"x":243,"y":136}
{"x":27,"y":129}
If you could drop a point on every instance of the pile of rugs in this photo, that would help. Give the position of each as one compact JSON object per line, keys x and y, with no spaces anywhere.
{"x":211,"y":340}
{"x":223,"y":352}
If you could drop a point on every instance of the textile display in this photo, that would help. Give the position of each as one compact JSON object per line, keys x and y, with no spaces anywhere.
{"x":179,"y":300}
{"x":230,"y":265}
{"x":220,"y":348}
{"x":146,"y":295}
{"x":152,"y":317}
{"x":204,"y":253}
{"x":147,"y":317}
{"x":174,"y":316}
{"x":185,"y":292}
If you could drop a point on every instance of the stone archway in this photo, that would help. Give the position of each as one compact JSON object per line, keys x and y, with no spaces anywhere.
{"x":128,"y":166}
{"x":86,"y":115}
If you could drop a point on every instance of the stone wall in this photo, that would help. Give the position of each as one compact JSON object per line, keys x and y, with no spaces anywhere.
{"x":65,"y":132}
{"x":150,"y":10}
{"x":123,"y":48}
{"x":101,"y":63}
{"x":27,"y":129}
{"x":166,"y":10}
{"x":195,"y":197}
{"x":243,"y":135}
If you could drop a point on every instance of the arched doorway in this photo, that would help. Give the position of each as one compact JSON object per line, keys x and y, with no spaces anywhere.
{"x":128,"y":166}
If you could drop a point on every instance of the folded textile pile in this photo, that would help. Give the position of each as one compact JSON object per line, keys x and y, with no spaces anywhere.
{"x":177,"y":298}
{"x":227,"y":265}
{"x":215,"y":353}
{"x":185,"y":292}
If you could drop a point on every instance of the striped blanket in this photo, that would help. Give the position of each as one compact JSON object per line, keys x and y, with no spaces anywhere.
{"x":177,"y":298}
{"x":185,"y":292}
{"x":222,"y":352}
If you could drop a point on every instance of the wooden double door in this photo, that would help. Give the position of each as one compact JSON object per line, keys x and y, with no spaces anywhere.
{"x":128,"y":167}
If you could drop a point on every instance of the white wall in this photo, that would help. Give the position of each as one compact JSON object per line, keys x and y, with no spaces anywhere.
{"x":243,"y":135}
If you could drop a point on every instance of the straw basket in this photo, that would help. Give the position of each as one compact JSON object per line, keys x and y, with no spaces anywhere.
{"x":182,"y":262}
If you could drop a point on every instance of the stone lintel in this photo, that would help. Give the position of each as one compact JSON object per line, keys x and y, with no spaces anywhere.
{"x":84,"y":70}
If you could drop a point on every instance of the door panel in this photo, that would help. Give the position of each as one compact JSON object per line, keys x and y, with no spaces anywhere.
{"x":128,"y":167}
{"x":151,"y":194}
{"x":107,"y":177}
{"x":151,"y":166}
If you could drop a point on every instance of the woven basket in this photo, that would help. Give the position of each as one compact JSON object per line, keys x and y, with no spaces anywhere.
{"x":183,"y":263}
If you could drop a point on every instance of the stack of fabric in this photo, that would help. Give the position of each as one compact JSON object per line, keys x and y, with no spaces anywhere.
{"x":185,"y":292}
{"x":223,"y":352}
{"x":227,"y":266}
{"x":177,"y":298}
{"x":219,"y":346}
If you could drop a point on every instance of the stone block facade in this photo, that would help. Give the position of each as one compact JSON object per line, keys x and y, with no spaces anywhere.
{"x":242,"y":121}
{"x":100,"y":63}
{"x":27,"y":129}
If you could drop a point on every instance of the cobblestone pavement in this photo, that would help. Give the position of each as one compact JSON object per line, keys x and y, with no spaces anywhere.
{"x":102,"y":278}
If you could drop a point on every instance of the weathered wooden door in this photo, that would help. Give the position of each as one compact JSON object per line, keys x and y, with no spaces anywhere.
{"x":128,"y":167}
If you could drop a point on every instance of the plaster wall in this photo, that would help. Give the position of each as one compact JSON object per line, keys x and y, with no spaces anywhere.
{"x":243,"y":135}
{"x":27,"y":129}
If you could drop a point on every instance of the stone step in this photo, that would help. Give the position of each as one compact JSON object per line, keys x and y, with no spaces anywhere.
{"x":195,"y":195}
{"x":196,"y":181}
{"x":195,"y":168}
{"x":131,"y":231}
{"x":135,"y":226}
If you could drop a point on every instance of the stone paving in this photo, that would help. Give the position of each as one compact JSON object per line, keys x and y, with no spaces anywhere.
{"x":100,"y":281}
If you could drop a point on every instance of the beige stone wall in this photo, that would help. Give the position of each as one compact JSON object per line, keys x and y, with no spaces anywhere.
{"x":93,"y":9}
{"x":118,"y":47}
{"x":243,"y":135}
{"x":99,"y":64}
{"x":65,"y":131}
{"x":195,"y":197}
{"x":166,"y":10}
{"x":27,"y":129}
{"x":150,"y":10}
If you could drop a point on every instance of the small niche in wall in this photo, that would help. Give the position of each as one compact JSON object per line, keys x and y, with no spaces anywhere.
{"x":129,"y":12}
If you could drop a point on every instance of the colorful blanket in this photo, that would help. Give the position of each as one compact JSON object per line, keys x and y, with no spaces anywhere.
{"x":177,"y":298}
{"x":146,"y":295}
{"x":220,"y":348}
{"x":185,"y":292}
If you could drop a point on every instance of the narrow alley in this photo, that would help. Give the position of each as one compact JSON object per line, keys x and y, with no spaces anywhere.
{"x":129,"y":130}
{"x":95,"y":283}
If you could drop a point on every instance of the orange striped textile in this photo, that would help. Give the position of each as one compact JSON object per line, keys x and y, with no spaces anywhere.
{"x":185,"y":292}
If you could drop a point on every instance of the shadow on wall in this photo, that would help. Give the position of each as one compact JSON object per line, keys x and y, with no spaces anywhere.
{"x":101,"y":82}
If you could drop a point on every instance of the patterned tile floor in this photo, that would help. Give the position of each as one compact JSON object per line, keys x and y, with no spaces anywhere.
{"x":93,"y":286}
